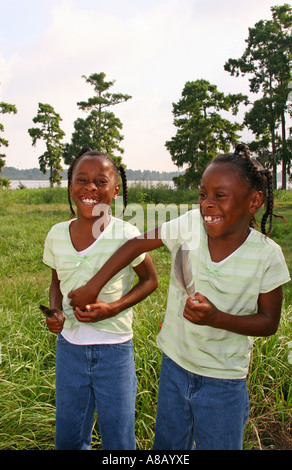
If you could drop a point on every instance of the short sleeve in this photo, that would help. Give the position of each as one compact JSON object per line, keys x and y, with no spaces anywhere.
{"x":276,"y":272}
{"x":48,"y":255}
{"x":186,"y":228}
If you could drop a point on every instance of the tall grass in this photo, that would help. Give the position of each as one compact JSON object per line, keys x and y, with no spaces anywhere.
{"x":137,"y":193}
{"x":27,"y":369}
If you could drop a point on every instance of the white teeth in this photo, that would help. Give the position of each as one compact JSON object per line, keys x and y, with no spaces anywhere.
{"x":209,"y":219}
{"x":89,"y":201}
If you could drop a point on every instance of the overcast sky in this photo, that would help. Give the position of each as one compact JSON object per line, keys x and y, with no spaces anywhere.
{"x":151,"y":48}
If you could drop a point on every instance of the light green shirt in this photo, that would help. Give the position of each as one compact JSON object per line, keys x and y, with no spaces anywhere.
{"x":74,"y":271}
{"x":233,"y":286}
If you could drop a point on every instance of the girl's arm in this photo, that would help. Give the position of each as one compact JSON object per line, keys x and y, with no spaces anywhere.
{"x":263,"y":323}
{"x":146,"y":284}
{"x":56,"y":323}
{"x":120,"y":259}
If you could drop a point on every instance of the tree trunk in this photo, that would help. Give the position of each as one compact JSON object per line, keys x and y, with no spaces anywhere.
{"x":284,"y":152}
{"x":274,"y":158}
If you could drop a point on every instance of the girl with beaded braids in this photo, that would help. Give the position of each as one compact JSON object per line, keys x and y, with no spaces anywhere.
{"x":94,"y":359}
{"x":206,"y":336}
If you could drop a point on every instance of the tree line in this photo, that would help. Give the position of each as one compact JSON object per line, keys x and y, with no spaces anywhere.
{"x":132,"y":175}
{"x":202,"y":130}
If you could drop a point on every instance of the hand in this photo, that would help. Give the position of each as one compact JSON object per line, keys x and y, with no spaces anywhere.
{"x":94,"y":312}
{"x":81,"y":297}
{"x":200,"y":310}
{"x":56,"y":323}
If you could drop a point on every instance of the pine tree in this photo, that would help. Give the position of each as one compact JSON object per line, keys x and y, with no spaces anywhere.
{"x":52,"y":134}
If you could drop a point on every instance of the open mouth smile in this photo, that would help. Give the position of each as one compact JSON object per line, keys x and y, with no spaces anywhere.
{"x":212,"y":219}
{"x":88,"y":201}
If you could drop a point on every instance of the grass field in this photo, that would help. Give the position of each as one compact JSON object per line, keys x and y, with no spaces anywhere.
{"x":27,"y":369}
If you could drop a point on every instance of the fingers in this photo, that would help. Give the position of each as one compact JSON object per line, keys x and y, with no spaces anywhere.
{"x":191,"y":302}
{"x":80,"y":297}
{"x":56,"y":323}
{"x":196,"y":309}
{"x":74,"y":302}
{"x":91,"y":307}
{"x":88,"y":315}
{"x":60,"y":317}
{"x":93,"y":312}
{"x":197,"y":298}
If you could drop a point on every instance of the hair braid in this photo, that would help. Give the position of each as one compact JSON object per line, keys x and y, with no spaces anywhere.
{"x":258,"y":178}
{"x":88,"y":151}
{"x":269,"y":203}
{"x":125,"y":186}
{"x":242,"y":151}
{"x":70,"y":173}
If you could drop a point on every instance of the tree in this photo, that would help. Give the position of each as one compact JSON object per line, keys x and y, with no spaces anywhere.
{"x":4,"y":109}
{"x":262,"y":119}
{"x":101,"y":129}
{"x":202,"y":132}
{"x":51,"y":133}
{"x":267,"y":59}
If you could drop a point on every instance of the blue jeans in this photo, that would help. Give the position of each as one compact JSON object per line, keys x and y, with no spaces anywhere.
{"x":96,"y":377}
{"x":193,"y":408}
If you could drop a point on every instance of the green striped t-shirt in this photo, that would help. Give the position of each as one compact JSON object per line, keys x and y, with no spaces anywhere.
{"x":233,"y":286}
{"x":74,"y":271}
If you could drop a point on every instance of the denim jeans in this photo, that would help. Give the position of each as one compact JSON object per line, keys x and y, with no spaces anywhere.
{"x":192,"y":408}
{"x":96,"y":377}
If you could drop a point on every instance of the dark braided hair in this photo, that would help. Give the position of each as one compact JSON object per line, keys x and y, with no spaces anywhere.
{"x":124,"y":183}
{"x":87,"y":151}
{"x":257,"y":177}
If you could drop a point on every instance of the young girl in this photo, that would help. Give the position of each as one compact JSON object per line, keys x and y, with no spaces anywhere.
{"x":238,"y":274}
{"x":94,"y":361}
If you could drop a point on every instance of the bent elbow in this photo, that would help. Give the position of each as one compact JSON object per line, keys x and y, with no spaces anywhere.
{"x":271,"y":329}
{"x":155,"y":284}
{"x":152,"y":282}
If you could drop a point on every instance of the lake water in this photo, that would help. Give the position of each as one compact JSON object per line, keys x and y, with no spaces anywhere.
{"x":32,"y":184}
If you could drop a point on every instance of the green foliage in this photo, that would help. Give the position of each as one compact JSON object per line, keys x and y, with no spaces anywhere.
{"x":267,"y":60}
{"x":161,"y":194}
{"x":27,"y":369}
{"x":137,"y":193}
{"x":4,"y":108}
{"x":101,"y":129}
{"x":51,"y":133}
{"x":201,"y":131}
{"x":4,"y":182}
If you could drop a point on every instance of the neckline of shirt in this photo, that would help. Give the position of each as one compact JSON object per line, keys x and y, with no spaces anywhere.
{"x":219,"y":263}
{"x":84,"y":252}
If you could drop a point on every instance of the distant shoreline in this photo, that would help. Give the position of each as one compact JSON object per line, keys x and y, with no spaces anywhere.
{"x":37,"y":184}
{"x":132,"y":175}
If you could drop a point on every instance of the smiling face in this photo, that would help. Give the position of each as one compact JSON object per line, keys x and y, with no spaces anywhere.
{"x":94,"y":182}
{"x":226,"y":203}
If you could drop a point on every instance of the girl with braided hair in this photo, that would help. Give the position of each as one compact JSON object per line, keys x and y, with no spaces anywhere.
{"x":94,"y":360}
{"x":120,"y":168}
{"x":206,"y":338}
